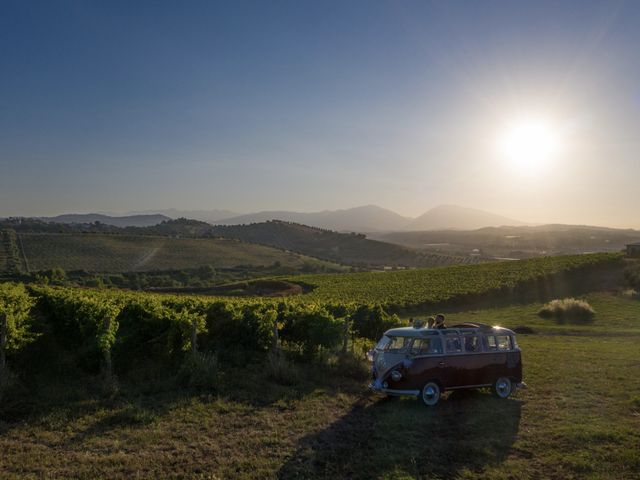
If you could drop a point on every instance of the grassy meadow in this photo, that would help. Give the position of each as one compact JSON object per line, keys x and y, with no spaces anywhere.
{"x":579,"y":419}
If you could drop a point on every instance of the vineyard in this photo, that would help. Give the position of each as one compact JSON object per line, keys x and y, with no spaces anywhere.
{"x":127,"y":253}
{"x":113,"y":380}
{"x":141,"y":326}
{"x":409,"y":288}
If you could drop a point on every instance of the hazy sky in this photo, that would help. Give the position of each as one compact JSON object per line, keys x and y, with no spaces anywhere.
{"x":301,"y":105}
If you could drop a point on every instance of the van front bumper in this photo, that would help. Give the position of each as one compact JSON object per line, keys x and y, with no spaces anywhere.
{"x":377,"y":387}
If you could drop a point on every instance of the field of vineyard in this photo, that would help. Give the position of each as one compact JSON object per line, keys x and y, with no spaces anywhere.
{"x":579,"y":419}
{"x":111,"y":383}
{"x":126,"y":253}
{"x":407,"y":288}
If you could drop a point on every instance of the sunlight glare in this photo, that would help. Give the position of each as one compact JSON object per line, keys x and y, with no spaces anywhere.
{"x":529,"y":146}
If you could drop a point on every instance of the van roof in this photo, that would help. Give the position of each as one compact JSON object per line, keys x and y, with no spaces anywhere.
{"x":454,"y":330}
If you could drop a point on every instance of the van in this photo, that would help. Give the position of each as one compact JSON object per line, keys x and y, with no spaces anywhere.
{"x":425,"y":362}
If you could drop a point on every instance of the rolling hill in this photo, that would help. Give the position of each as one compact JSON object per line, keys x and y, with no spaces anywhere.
{"x":454,"y":217}
{"x":128,"y":253}
{"x":350,"y":249}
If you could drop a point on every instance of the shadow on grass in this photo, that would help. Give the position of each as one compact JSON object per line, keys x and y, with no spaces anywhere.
{"x":466,"y":431}
{"x":77,"y":405}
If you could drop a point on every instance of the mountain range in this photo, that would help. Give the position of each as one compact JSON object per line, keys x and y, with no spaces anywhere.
{"x":371,"y":218}
{"x":364,"y":219}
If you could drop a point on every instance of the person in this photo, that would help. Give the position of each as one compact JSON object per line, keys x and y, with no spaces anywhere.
{"x":439,"y":322}
{"x":430,"y":322}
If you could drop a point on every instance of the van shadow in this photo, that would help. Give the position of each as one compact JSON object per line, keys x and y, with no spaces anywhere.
{"x":466,"y":431}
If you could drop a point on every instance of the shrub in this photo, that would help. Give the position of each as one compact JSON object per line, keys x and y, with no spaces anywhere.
{"x":569,"y":310}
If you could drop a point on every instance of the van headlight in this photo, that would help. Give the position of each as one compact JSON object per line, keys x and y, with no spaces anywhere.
{"x":396,"y":376}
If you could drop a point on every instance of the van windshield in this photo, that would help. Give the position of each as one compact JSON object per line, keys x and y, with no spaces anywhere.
{"x":396,"y":344}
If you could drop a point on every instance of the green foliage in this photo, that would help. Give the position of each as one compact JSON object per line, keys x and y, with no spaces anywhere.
{"x":410,"y":288}
{"x":632,"y":275}
{"x":312,"y":327}
{"x":371,"y":322}
{"x":82,"y":320}
{"x":15,"y":308}
{"x":569,"y":310}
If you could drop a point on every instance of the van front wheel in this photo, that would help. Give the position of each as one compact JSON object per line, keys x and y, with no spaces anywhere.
{"x":503,"y":387}
{"x":430,"y":394}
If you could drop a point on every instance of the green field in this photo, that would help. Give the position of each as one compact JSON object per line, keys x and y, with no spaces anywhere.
{"x":127,"y":253}
{"x":579,"y":419}
{"x":408,"y":288}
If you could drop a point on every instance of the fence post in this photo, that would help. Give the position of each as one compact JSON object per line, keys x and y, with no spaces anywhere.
{"x":275,"y":336}
{"x":345,"y":337}
{"x":108,"y":369}
{"x":194,"y":337}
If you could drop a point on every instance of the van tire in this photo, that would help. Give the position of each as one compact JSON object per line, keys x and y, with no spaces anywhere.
{"x":503,"y":387}
{"x":430,"y":394}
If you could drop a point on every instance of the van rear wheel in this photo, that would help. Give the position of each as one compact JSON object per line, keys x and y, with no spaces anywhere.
{"x":503,"y":387}
{"x":430,"y":394}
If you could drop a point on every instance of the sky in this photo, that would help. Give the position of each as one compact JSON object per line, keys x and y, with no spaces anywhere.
{"x":310,"y":105}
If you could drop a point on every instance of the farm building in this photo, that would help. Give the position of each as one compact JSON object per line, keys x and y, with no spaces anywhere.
{"x":633,"y":249}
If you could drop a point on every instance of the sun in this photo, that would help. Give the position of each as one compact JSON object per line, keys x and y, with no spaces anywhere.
{"x":529,"y":146}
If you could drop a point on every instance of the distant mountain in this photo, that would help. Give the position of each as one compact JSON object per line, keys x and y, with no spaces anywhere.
{"x":345,"y":248}
{"x":125,"y":221}
{"x":453,"y":217}
{"x":209,"y":216}
{"x":369,"y":218}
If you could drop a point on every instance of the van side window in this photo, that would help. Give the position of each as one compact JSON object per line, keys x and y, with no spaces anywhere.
{"x":426,"y":346}
{"x":504,"y":342}
{"x":453,"y":344}
{"x":471,"y":343}
{"x":490,"y":343}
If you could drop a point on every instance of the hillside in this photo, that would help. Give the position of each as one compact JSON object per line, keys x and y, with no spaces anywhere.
{"x":518,"y":242}
{"x":369,"y":218}
{"x":350,"y":249}
{"x":125,"y":253}
{"x":120,"y":221}
{"x":455,"y":217}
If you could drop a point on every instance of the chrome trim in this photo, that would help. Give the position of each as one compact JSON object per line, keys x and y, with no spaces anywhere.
{"x":469,"y":386}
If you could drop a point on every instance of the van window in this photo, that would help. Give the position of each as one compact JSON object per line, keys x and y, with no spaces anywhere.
{"x":453,"y":344}
{"x":426,"y":346}
{"x":490,"y":343}
{"x":398,"y":344}
{"x":382,"y":344}
{"x":504,"y":342}
{"x":471,"y":343}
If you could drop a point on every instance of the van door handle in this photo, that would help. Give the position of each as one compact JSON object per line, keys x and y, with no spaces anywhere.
{"x":441,"y":364}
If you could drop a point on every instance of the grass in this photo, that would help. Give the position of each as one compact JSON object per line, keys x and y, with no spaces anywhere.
{"x":127,"y":253}
{"x":579,"y":419}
